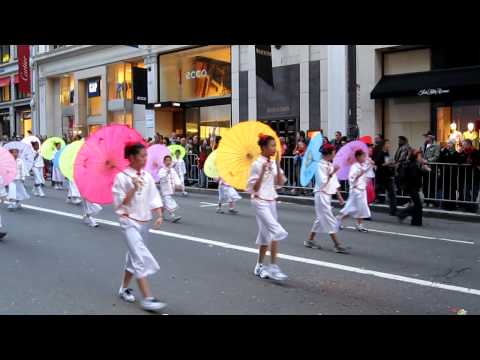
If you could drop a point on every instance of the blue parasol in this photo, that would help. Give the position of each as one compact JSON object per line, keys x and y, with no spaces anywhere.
{"x":56,"y":158}
{"x":311,"y":159}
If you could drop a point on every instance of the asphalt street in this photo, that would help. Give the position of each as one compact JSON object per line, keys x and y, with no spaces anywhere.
{"x":52,"y":263}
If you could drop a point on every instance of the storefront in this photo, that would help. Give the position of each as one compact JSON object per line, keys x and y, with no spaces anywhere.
{"x":194,"y":90}
{"x":445,"y":99}
{"x":23,"y":120}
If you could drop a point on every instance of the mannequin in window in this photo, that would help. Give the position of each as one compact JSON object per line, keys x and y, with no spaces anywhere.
{"x":472,"y":134}
{"x":455,"y":136}
{"x":119,"y":91}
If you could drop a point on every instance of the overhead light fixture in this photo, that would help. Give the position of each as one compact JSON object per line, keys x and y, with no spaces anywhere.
{"x":176,"y":104}
{"x":157,"y":105}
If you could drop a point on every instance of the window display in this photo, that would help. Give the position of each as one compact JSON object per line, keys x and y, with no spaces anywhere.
{"x":194,"y":74}
{"x":67,"y":85}
{"x":4,"y":54}
{"x":120,"y":117}
{"x":119,"y":79}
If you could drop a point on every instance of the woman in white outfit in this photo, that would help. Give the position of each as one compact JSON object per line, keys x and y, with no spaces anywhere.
{"x":265,"y":176}
{"x":3,"y":196}
{"x":357,"y":204}
{"x":181,"y":169}
{"x":37,"y":169}
{"x":16,"y":189}
{"x":169,"y":181}
{"x":135,"y":197}
{"x":57,"y":177}
{"x":326,"y":185}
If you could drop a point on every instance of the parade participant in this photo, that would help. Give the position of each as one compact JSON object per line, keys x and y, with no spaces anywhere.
{"x":16,"y":189}
{"x":73,"y":195}
{"x":135,"y":197}
{"x":57,"y":177}
{"x":265,"y":175}
{"x":226,"y":193}
{"x":90,"y":209}
{"x":357,"y":203}
{"x":37,"y":169}
{"x":326,"y":185}
{"x":169,"y":181}
{"x":181,"y":169}
{"x":3,"y":196}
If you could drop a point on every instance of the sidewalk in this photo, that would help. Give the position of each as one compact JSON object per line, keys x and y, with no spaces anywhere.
{"x":306,"y":200}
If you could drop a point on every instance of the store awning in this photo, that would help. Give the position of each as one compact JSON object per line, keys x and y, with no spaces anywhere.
{"x":5,"y":81}
{"x":465,"y":81}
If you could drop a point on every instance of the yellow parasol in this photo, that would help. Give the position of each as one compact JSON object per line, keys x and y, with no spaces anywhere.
{"x":67,"y":158}
{"x":210,"y":167}
{"x":48,"y":147}
{"x":239,"y":149}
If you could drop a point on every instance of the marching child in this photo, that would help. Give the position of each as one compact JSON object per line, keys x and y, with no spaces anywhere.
{"x":265,"y":176}
{"x":16,"y":189}
{"x":38,"y":166}
{"x":57,"y":177}
{"x":89,"y":210}
{"x":226,"y":193}
{"x":169,"y":181}
{"x":357,"y":203}
{"x":73,"y":195}
{"x":181,"y":169}
{"x":3,"y":196}
{"x":326,"y":185}
{"x":135,"y":197}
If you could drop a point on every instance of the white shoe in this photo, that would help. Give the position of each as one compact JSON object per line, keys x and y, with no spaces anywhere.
{"x":176,"y":219}
{"x":35,"y":192}
{"x":258,"y":269}
{"x":90,"y":221}
{"x":41,"y":193}
{"x":185,"y":193}
{"x":76,"y":201}
{"x":11,"y":206}
{"x":273,"y":272}
{"x":361,"y":228}
{"x":152,"y":304}
{"x":126,"y":295}
{"x":68,"y":201}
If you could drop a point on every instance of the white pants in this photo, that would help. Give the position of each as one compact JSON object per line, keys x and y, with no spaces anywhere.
{"x":73,"y":190}
{"x":325,"y":222}
{"x":38,"y":176}
{"x":357,"y":205}
{"x":90,"y":209}
{"x":16,"y":191}
{"x":169,"y":203}
{"x":57,"y":175}
{"x":269,"y":228}
{"x":227,"y":194}
{"x":139,"y":260}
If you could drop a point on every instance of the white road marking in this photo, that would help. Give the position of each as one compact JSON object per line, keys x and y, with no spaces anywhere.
{"x":303,"y":260}
{"x":207,"y":204}
{"x":414,"y":235}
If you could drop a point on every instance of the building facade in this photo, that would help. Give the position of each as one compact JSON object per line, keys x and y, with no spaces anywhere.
{"x":191,"y":89}
{"x":15,"y":111}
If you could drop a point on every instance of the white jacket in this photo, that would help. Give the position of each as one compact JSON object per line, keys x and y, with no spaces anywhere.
{"x":169,"y":180}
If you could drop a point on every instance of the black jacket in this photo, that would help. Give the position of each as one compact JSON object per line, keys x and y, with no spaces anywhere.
{"x":413,"y":176}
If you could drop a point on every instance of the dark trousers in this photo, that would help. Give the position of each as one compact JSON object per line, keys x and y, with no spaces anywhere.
{"x":388,"y":185}
{"x":415,"y":210}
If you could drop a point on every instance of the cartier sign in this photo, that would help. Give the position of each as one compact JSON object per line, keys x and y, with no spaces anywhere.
{"x":439,"y":91}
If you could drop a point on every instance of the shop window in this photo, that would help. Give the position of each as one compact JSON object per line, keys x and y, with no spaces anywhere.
{"x":26,"y":123}
{"x":67,"y":85}
{"x":19,"y":94}
{"x":195,"y":73}
{"x":214,"y":120}
{"x":5,"y":93}
{"x":94,"y":102}
{"x":120,"y":117}
{"x":119,"y":77}
{"x":4,"y":54}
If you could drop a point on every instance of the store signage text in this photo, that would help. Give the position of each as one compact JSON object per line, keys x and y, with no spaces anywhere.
{"x":92,"y":87}
{"x":438,"y":91}
{"x":189,"y":75}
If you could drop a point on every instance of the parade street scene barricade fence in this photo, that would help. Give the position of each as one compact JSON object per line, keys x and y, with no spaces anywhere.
{"x":445,"y":183}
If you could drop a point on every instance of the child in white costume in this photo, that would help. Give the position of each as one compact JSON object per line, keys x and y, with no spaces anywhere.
{"x":227,"y":195}
{"x":181,"y":169}
{"x":57,"y":176}
{"x":73,"y":195}
{"x":169,"y":181}
{"x":3,"y":196}
{"x":265,"y":176}
{"x":357,"y":204}
{"x":89,"y":210}
{"x":326,"y":185}
{"x":16,"y":189}
{"x":37,"y":169}
{"x":135,"y":197}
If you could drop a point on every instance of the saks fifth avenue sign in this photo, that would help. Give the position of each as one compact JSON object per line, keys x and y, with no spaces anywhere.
{"x":427,"y":92}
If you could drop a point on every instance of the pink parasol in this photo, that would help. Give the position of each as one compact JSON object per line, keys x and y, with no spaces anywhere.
{"x":8,"y":166}
{"x":156,"y":153}
{"x":100,"y":159}
{"x":346,"y":157}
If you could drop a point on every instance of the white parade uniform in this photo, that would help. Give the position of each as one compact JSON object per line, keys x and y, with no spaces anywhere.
{"x":38,"y":165}
{"x":57,"y":175}
{"x":357,"y":204}
{"x":90,"y":209}
{"x":3,"y":196}
{"x":134,"y":219}
{"x":226,"y":193}
{"x":168,"y":181}
{"x":325,"y":187}
{"x":16,"y":189}
{"x":73,"y":190}
{"x":181,"y":169}
{"x":264,"y":202}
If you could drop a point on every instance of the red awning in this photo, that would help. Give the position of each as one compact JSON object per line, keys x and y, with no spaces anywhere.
{"x":5,"y":81}
{"x":17,"y":79}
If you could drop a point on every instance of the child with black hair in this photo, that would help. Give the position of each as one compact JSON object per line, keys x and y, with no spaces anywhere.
{"x":357,"y":203}
{"x":169,"y":182}
{"x":326,"y":185}
{"x":265,"y":176}
{"x":226,"y":193}
{"x":37,"y":169}
{"x":135,"y":197}
{"x":57,"y":177}
{"x":16,"y":189}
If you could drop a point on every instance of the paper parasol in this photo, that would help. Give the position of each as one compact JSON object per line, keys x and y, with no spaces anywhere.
{"x":346,"y":157}
{"x":48,"y":148}
{"x":210,"y":167}
{"x":68,"y":156}
{"x":56,"y":158}
{"x":173,"y":149}
{"x":25,"y":153}
{"x":100,"y":159}
{"x":311,"y":159}
{"x":8,"y":166}
{"x":239,"y":149}
{"x":29,"y":139}
{"x":156,"y":153}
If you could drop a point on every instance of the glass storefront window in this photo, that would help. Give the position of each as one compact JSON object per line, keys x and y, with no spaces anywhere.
{"x":95,"y":106}
{"x":460,"y":113}
{"x":4,"y":54}
{"x":67,"y":85}
{"x":119,"y":77}
{"x":5,"y":93}
{"x":208,"y":121}
{"x":195,"y":73}
{"x":120,"y":117}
